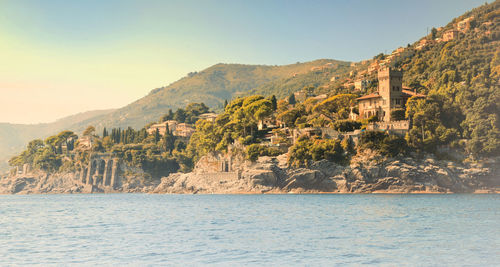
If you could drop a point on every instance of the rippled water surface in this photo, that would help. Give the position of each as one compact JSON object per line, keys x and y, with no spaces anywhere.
{"x":270,"y":230}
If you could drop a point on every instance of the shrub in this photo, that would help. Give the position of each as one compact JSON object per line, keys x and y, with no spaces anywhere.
{"x":346,"y":125}
{"x":398,"y":114}
{"x":390,"y":145}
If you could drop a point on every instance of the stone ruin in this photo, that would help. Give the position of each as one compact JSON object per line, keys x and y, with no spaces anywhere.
{"x":102,"y":170}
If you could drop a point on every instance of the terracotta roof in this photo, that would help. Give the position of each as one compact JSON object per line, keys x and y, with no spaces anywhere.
{"x":374,"y":95}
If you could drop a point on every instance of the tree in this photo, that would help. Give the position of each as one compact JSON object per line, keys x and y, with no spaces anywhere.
{"x":89,"y":131}
{"x":433,"y":33}
{"x":336,"y":107}
{"x":180,"y":115}
{"x":435,"y":121}
{"x":274,"y":102}
{"x":168,"y":141}
{"x":346,"y":125}
{"x":157,"y":135}
{"x":104,"y":132}
{"x":291,"y":99}
{"x":68,"y":138}
{"x":397,"y":114}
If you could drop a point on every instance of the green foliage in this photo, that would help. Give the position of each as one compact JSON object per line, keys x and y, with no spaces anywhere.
{"x":291,"y":116}
{"x":346,"y":125}
{"x":336,"y":107}
{"x":390,"y":145}
{"x":305,"y":150}
{"x":435,"y":121}
{"x":398,"y":114}
{"x":291,"y":99}
{"x":254,"y":151}
{"x":89,"y":131}
{"x":465,"y":71}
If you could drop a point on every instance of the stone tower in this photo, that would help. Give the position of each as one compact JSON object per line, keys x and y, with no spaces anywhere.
{"x":390,"y":87}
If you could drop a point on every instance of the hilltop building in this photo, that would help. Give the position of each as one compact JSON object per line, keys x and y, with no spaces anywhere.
{"x":162,"y":127}
{"x":391,"y":95}
{"x":450,"y":35}
{"x":177,"y":129}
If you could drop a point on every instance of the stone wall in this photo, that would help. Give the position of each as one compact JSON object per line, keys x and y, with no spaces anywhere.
{"x":101,"y":170}
{"x":219,"y":176}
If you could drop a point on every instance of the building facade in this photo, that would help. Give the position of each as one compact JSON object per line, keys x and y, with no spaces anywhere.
{"x":391,"y":95}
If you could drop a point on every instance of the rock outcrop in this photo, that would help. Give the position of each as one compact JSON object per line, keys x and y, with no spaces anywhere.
{"x":367,"y":172}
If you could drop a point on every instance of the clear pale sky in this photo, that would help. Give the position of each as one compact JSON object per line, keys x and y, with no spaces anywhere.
{"x":61,"y":57}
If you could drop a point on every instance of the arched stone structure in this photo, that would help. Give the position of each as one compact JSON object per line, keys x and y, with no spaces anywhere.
{"x":102,"y":170}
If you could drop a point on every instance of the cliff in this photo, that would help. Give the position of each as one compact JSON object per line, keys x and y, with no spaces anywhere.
{"x":367,"y":173}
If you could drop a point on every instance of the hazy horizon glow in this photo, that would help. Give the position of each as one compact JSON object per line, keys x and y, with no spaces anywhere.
{"x":64,"y":57}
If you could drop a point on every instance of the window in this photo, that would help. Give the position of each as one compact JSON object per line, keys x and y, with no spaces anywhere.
{"x":393,"y":88}
{"x":397,"y":88}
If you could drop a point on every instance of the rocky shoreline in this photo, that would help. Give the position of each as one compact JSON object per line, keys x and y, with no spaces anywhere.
{"x":366,"y":173}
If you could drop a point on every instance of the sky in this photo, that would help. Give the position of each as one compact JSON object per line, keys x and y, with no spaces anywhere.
{"x":59,"y":57}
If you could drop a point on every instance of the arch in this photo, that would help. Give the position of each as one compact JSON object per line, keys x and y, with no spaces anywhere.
{"x":106,"y":178}
{"x":90,"y":171}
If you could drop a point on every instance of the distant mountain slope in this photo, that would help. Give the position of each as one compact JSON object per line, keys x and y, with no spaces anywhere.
{"x":214,"y":85}
{"x":14,"y":137}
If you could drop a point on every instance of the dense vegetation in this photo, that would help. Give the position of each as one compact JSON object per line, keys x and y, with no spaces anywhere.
{"x":463,"y":74}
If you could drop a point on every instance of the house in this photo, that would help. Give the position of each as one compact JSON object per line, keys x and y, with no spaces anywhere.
{"x":374,"y":66}
{"x":423,"y":43}
{"x":348,"y":84}
{"x":208,"y":116}
{"x":162,"y":127}
{"x":310,"y":132}
{"x":450,"y":35}
{"x":390,"y":95}
{"x":360,"y":84}
{"x":183,"y":130}
{"x":85,"y":141}
{"x":268,"y":122}
{"x":464,"y":25}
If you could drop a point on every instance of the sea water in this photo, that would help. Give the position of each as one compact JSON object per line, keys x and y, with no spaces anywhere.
{"x":234,"y":230}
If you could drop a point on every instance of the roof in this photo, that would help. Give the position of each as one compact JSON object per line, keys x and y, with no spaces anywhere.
{"x":374,"y":95}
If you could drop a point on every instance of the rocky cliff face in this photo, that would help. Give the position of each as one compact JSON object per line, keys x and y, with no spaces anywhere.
{"x":367,"y":173}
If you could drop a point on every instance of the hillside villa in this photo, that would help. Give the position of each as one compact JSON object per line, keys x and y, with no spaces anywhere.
{"x":390,"y":95}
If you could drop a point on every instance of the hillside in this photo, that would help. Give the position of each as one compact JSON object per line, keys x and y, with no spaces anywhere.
{"x":211,"y":86}
{"x":14,"y":137}
{"x":214,"y":85}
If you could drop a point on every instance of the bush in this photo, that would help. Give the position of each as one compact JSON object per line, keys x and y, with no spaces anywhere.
{"x":306,"y":150}
{"x":390,"y":145}
{"x":398,"y":114}
{"x":254,"y":151}
{"x":346,"y":125}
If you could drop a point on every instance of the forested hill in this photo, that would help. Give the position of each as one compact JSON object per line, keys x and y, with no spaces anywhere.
{"x":214,"y":85}
{"x":466,"y":72}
